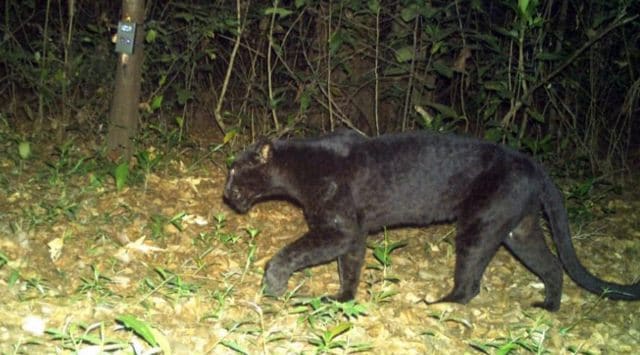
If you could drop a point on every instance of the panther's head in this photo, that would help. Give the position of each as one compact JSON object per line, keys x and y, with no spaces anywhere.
{"x":249,"y":177}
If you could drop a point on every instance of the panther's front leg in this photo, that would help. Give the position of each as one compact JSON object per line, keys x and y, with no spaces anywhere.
{"x":332,"y":235}
{"x":349,"y":268}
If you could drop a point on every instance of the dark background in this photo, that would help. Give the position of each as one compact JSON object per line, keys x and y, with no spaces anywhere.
{"x":559,"y":79}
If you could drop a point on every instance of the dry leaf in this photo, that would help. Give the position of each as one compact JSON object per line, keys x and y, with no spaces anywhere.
{"x":55,"y":248}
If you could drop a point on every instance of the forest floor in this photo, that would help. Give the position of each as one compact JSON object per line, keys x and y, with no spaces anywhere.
{"x":163,"y":263}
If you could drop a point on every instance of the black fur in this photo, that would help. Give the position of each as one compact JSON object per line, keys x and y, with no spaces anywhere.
{"x":350,"y":186}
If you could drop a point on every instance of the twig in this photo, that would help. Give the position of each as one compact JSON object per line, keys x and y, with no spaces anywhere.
{"x":272,"y":105}
{"x":377,"y":83}
{"x":329,"y":96}
{"x":227,"y":76}
{"x":407,"y":97}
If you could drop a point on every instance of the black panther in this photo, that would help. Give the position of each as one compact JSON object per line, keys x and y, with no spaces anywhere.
{"x":349,"y":186}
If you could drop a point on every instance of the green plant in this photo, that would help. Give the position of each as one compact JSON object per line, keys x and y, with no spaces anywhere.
{"x":4,"y":259}
{"x":382,"y":253}
{"x":584,"y":197}
{"x":38,"y":284}
{"x":14,"y":275}
{"x":221,"y":296}
{"x":529,"y":337}
{"x":24,"y":150}
{"x":147,"y":160}
{"x":141,"y":328}
{"x":251,"y":253}
{"x":351,"y":309}
{"x":98,"y":283}
{"x":172,"y":282}
{"x":121,"y":175}
{"x":65,"y":164}
{"x":446,"y":316}
{"x":220,"y":233}
{"x":233,"y":345}
{"x":318,"y":311}
{"x":327,"y":340}
{"x":78,"y":336}
{"x":158,"y":223}
{"x":584,"y":315}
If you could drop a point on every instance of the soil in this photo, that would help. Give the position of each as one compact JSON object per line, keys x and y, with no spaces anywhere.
{"x":77,"y":257}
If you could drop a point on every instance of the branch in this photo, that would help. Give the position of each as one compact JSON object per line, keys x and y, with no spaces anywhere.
{"x":225,"y":84}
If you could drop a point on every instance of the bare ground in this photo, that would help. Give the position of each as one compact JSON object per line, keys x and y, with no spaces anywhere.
{"x":76,"y":256}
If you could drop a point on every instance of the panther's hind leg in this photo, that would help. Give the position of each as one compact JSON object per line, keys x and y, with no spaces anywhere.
{"x":495,"y":205}
{"x":527,"y":243}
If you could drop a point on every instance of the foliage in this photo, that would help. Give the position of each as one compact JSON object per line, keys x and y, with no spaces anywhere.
{"x":139,"y":327}
{"x":510,"y":71}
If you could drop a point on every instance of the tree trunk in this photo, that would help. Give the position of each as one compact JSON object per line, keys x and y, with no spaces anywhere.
{"x":123,"y":116}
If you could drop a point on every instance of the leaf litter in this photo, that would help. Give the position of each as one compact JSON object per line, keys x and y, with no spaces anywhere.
{"x":86,"y":269}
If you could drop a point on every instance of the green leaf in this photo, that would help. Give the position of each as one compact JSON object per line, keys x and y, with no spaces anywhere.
{"x":305,"y":101}
{"x":176,"y":221}
{"x":276,"y":47}
{"x":229,"y":136}
{"x":409,"y":13}
{"x":4,"y":259}
{"x":507,"y":348}
{"x":143,"y":157}
{"x":121,"y":174}
{"x":548,"y":56}
{"x":404,"y":54}
{"x":513,"y":34}
{"x":500,"y":87}
{"x":380,"y":254}
{"x":537,"y":116}
{"x":163,"y":80}
{"x":24,"y":150}
{"x":374,"y":6}
{"x":490,"y":40}
{"x":351,"y":309}
{"x":139,"y":327}
{"x":14,"y":276}
{"x":300,"y":3}
{"x":493,"y":134}
{"x":184,"y":95}
{"x":187,"y":16}
{"x":332,"y":333}
{"x":282,"y":12}
{"x":180,"y":121}
{"x":335,"y":42}
{"x":523,"y":7}
{"x":151,"y":36}
{"x":443,"y":70}
{"x":444,"y":110}
{"x":233,"y":346}
{"x":397,"y":70}
{"x":495,"y":85}
{"x":273,"y":103}
{"x":399,"y":244}
{"x":527,"y":10}
{"x":156,"y":103}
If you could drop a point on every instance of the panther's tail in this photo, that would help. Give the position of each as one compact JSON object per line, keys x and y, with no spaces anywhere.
{"x":552,"y":202}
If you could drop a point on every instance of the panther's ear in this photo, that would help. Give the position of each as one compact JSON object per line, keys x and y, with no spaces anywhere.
{"x":265,"y":152}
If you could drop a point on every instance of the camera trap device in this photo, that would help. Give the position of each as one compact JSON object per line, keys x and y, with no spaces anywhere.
{"x":125,"y":38}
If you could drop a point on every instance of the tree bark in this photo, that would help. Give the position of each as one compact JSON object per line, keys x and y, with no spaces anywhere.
{"x":124,"y":115}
